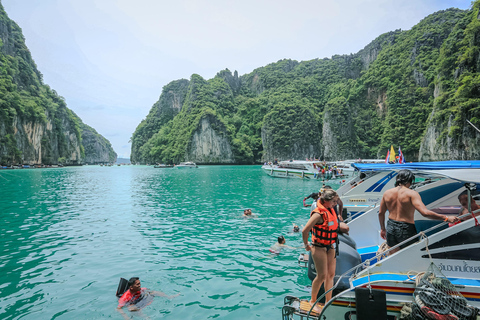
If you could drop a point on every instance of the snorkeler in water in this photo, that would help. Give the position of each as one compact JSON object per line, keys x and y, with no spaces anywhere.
{"x":136,"y":297}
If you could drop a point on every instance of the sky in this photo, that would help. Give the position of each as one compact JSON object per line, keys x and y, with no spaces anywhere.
{"x":110,"y":59}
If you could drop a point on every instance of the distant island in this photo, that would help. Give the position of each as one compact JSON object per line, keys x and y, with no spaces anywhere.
{"x":36,"y":127}
{"x":414,"y":89}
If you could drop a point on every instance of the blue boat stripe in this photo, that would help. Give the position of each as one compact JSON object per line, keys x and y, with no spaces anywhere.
{"x":389,"y":177}
{"x":378,"y":186}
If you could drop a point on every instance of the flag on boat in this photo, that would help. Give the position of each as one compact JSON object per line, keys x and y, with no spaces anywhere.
{"x":388,"y":156}
{"x":392,"y":155}
{"x":401,"y":158}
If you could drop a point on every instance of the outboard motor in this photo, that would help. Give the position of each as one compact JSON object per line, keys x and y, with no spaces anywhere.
{"x":345,"y":239}
{"x":347,"y":258}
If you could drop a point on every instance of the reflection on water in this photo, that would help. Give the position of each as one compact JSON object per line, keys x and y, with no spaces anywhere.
{"x":69,"y":234}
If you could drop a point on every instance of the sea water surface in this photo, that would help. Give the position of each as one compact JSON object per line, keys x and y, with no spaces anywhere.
{"x":69,"y":234}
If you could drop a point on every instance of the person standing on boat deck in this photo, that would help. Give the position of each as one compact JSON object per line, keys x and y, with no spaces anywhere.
{"x":463,"y":199}
{"x":324,"y":225}
{"x":337,"y":206}
{"x":401,"y":203}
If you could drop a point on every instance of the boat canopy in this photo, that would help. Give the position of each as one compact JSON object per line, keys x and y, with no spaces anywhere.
{"x":462,"y":170}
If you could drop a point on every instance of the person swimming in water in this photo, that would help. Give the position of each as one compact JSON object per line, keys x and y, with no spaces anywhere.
{"x":279,"y":245}
{"x":137,"y":297}
{"x":247,"y":213}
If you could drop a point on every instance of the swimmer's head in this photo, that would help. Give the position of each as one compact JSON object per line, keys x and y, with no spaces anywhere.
{"x":296,"y":228}
{"x":134,"y":284}
{"x":247,"y":212}
{"x":404,"y":177}
{"x":281,"y":239}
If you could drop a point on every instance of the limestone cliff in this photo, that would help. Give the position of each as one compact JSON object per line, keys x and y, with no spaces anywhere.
{"x":36,"y":127}
{"x":98,"y":149}
{"x":448,"y":135}
{"x":209,"y":143}
{"x":409,"y":88}
{"x":165,"y":109}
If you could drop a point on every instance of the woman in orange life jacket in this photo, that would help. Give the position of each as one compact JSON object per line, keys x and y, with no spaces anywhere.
{"x":324,"y":225}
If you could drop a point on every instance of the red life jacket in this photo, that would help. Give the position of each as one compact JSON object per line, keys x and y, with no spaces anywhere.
{"x":326,"y":233}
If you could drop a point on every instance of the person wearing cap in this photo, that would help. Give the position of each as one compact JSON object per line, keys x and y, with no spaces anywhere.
{"x":401,"y":203}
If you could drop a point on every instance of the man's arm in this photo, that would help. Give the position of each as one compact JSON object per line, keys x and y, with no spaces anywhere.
{"x":420,"y":207}
{"x":381,"y":219}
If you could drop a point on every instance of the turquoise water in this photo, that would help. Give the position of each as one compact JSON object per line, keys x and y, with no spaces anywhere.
{"x":69,"y":234}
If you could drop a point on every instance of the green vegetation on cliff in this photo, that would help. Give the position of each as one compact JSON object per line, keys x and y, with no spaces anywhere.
{"x":350,"y":106}
{"x":35,"y":124}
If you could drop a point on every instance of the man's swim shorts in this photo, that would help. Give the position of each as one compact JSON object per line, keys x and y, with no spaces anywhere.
{"x":398,"y":231}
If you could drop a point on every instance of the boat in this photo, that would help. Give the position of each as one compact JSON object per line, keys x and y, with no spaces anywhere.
{"x":346,"y":165}
{"x":449,"y":255}
{"x":302,"y":169}
{"x":163,"y":166}
{"x":188,"y":164}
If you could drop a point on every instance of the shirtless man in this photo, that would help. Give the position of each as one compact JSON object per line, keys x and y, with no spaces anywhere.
{"x":401,"y":203}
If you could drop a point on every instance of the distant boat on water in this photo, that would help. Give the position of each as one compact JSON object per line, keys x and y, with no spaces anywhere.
{"x":163,"y":166}
{"x":188,"y":164}
{"x":303,"y":169}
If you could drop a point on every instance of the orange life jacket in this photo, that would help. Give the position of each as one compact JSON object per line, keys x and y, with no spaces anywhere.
{"x":326,"y":233}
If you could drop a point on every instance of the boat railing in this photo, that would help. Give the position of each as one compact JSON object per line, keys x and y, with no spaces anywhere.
{"x":354,"y":272}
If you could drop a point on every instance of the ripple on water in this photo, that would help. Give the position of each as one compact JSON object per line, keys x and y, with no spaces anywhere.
{"x":68,"y":235}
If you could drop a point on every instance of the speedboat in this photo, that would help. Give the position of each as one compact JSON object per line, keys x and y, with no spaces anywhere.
{"x":163,"y":166}
{"x":186,"y":165}
{"x":386,"y":285}
{"x":346,"y":165}
{"x":302,"y":169}
{"x":364,"y":191}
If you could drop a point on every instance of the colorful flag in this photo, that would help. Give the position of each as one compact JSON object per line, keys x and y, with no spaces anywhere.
{"x":388,"y":156}
{"x":401,"y":158}
{"x":392,"y":155}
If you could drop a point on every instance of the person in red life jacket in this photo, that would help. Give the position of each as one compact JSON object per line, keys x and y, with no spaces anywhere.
{"x":136,"y":294}
{"x":324,"y":225}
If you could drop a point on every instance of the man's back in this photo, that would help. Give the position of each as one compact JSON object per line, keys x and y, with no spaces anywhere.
{"x":398,"y":202}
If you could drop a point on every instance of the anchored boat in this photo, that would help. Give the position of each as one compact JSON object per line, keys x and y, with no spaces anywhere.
{"x":302,"y":169}
{"x":186,"y":165}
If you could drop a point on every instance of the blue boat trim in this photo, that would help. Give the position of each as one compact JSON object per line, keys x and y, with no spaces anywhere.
{"x":367,"y":250}
{"x":378,"y":186}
